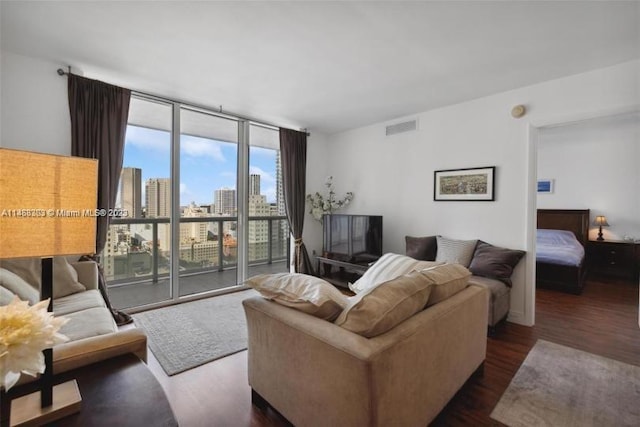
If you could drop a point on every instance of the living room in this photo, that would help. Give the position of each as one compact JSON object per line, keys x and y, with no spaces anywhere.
{"x":457,"y":70}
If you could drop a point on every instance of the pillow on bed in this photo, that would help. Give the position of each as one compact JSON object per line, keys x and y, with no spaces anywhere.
{"x":455,"y":251}
{"x":302,"y":292}
{"x":495,"y":262}
{"x":421,"y":248}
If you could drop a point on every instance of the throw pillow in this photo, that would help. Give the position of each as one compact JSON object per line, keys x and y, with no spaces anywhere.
{"x":379,"y":309}
{"x":447,"y":279}
{"x":388,"y":267}
{"x":6,"y":296}
{"x":28,"y":269}
{"x":308,"y":294}
{"x":65,"y":277}
{"x":16,"y":285}
{"x":455,"y":251}
{"x":495,"y":262}
{"x":422,"y":248}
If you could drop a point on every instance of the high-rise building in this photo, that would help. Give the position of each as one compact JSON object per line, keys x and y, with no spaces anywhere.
{"x":280,"y":189}
{"x":191,"y":232}
{"x":258,"y":230}
{"x":158,"y":197}
{"x":131,"y":191}
{"x":283,"y":234}
{"x":254,"y":184}
{"x":225,"y":201}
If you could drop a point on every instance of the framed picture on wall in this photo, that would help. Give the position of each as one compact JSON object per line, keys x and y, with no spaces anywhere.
{"x":472,"y":184}
{"x":545,"y":186}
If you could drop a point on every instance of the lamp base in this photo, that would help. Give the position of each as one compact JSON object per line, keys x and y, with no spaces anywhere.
{"x":26,"y":410}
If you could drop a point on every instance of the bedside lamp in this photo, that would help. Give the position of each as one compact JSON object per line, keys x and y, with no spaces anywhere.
{"x":600,"y":221}
{"x":47,"y":208}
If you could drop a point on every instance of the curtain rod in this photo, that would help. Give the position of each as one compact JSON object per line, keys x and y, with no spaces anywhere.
{"x":62,"y":72}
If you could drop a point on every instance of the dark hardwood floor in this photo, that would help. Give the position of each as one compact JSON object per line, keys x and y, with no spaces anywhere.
{"x":603,"y":320}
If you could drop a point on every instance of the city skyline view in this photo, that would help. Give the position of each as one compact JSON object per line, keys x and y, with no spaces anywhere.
{"x":206,"y":165}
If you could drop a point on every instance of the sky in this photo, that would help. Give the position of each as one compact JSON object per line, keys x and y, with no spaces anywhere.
{"x":205,"y":164}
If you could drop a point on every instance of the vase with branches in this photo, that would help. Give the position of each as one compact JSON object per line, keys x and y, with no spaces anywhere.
{"x":326,"y":204}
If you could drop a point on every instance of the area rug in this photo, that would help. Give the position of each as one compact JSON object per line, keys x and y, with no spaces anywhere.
{"x":562,"y":386}
{"x":187,"y":335}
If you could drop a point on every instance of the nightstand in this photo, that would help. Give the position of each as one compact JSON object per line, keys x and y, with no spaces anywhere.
{"x":614,"y":258}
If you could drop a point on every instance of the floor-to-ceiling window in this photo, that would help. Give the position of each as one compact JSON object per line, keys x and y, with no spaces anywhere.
{"x":191,"y":228}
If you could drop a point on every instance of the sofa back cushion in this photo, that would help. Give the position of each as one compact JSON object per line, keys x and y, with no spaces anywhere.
{"x":388,"y":267}
{"x":421,"y":248}
{"x":379,"y":309}
{"x":495,"y":262}
{"x":308,"y":294}
{"x":447,"y":279}
{"x":455,"y":251}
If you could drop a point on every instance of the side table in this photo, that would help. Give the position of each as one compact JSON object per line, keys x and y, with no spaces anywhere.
{"x":120,"y":391}
{"x":614,"y":258}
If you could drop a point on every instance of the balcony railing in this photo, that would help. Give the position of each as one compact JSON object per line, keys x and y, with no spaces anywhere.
{"x":138,"y":249}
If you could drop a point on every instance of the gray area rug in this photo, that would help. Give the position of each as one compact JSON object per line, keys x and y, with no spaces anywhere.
{"x":562,"y":386}
{"x":187,"y":335}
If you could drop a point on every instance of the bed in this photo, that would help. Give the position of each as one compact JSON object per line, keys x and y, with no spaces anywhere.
{"x":560,"y":255}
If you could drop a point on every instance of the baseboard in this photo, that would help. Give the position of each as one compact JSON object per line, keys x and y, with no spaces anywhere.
{"x":517,"y":317}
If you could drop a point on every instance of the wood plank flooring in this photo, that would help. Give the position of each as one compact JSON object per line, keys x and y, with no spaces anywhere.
{"x":603,"y":320}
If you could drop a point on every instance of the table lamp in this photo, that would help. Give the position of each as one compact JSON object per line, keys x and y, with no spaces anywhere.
{"x":47,"y":208}
{"x":600,"y":221}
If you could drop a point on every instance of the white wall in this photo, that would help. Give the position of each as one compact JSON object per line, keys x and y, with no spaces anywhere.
{"x":595,"y":165}
{"x":393,"y":176}
{"x":34,"y":108}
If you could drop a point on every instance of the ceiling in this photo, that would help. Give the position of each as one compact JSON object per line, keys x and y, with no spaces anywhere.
{"x":325,"y":66}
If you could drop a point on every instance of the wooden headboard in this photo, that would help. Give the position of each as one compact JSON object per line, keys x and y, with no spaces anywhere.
{"x":576,"y":220}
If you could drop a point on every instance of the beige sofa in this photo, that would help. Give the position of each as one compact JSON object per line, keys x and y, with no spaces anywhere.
{"x":93,"y":334}
{"x":316,"y":373}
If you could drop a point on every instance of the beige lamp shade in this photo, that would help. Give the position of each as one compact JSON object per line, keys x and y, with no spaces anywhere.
{"x":47,"y":204}
{"x":601,"y":220}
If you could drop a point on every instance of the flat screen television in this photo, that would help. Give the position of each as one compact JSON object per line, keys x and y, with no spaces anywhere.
{"x":353,"y":238}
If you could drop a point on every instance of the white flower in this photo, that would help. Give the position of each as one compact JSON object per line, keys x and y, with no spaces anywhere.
{"x":320,"y":205}
{"x":24,"y":332}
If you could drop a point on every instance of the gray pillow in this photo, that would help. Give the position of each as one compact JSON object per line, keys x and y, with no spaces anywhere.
{"x":455,"y":251}
{"x":421,"y":248}
{"x":495,"y":262}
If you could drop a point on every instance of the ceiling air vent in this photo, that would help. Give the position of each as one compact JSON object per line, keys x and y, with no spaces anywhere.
{"x":397,"y":128}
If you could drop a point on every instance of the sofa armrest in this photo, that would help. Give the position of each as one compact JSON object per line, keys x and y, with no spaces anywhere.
{"x":87,"y":273}
{"x":74,"y":354}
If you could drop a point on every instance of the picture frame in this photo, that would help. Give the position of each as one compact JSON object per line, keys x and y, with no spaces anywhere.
{"x":465,"y":185}
{"x":545,"y":186}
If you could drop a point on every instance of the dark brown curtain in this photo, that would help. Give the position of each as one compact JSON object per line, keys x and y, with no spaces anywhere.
{"x":99,"y":113}
{"x":293,"y":152}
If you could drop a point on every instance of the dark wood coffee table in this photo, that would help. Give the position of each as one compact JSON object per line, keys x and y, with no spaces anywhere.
{"x":120,"y":391}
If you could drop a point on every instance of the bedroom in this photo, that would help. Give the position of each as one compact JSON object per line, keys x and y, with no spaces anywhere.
{"x":596,"y":162}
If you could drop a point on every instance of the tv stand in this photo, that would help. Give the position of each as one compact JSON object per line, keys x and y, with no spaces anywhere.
{"x":346,"y":271}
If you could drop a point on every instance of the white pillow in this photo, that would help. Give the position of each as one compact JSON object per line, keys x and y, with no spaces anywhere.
{"x":388,"y":267}
{"x":16,"y":285}
{"x":453,"y":251}
{"x":308,"y":294}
